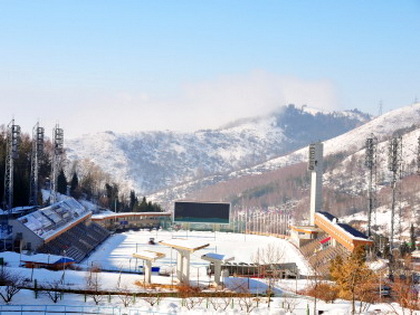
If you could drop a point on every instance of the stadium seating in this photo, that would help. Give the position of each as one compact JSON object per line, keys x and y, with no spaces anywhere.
{"x":76,"y":242}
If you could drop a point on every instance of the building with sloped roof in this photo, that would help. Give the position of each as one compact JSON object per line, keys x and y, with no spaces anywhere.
{"x":63,"y":228}
{"x":339,"y":232}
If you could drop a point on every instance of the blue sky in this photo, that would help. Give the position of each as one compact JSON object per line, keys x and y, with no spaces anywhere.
{"x":185,"y":65}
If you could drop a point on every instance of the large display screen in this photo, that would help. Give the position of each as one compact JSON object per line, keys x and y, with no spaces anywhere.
{"x":202,"y":212}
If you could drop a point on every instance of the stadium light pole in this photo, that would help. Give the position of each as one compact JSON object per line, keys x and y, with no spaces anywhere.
{"x":172,"y":270}
{"x":64,"y":265}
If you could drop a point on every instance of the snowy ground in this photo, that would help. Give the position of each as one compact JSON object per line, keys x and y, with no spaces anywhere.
{"x":116,"y":254}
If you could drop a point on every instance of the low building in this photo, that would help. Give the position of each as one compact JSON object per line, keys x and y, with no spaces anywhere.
{"x":133,"y":220}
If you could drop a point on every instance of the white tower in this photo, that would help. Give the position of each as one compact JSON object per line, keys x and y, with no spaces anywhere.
{"x":315,"y":165}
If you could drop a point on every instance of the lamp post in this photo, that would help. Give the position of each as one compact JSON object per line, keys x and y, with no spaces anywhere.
{"x":64,"y":266}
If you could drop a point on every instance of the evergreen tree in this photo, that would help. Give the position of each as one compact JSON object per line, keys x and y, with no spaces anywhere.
{"x":87,"y":186}
{"x":133,"y":201}
{"x":112,"y":197}
{"x":412,"y":238}
{"x":21,"y":173}
{"x":61,"y":183}
{"x":143,"y":205}
{"x":74,"y":186}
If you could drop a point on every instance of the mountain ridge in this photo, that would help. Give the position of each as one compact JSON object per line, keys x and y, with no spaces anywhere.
{"x":151,"y":161}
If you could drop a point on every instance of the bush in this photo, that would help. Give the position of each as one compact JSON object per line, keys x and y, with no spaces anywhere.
{"x":324,"y":291}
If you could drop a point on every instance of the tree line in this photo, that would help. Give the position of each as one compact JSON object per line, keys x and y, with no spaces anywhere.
{"x":79,"y":179}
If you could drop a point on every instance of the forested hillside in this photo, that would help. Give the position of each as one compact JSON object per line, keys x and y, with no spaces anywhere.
{"x":152,"y":161}
{"x":82,"y":179}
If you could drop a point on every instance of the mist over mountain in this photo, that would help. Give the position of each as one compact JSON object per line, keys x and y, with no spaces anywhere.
{"x":283,"y":182}
{"x":149,"y":162}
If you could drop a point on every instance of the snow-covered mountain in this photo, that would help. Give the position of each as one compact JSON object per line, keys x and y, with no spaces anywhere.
{"x":149,"y":162}
{"x":346,"y":177}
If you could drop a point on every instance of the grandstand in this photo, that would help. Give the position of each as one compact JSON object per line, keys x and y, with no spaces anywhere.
{"x":63,"y":228}
{"x":132,"y":220}
{"x":342,"y":233}
{"x":325,"y":237}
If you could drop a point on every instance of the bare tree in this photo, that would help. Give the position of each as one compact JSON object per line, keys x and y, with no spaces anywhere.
{"x":403,"y":286}
{"x":52,"y":290}
{"x":289,"y":303}
{"x":124,"y":294}
{"x":318,"y":288}
{"x":93,"y":284}
{"x":222,"y":302}
{"x":153,"y":297}
{"x":268,"y":260}
{"x":189,"y":296}
{"x":10,"y":285}
{"x":247,"y":302}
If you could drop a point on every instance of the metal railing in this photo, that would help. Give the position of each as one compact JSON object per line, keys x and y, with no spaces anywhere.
{"x":72,"y":310}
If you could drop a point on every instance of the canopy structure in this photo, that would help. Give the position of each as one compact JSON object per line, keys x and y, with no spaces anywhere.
{"x":149,"y":257}
{"x":46,"y":261}
{"x":217,"y":260}
{"x":184,"y":248}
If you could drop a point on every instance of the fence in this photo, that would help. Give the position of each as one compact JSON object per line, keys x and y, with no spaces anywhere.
{"x":71,"y":309}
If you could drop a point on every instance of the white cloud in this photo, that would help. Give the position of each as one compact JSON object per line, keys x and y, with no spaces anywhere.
{"x":255,"y":93}
{"x":197,"y":105}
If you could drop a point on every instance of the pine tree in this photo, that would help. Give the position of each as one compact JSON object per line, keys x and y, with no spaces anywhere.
{"x":74,"y":186}
{"x":143,"y":205}
{"x":133,"y":201}
{"x":412,"y":238}
{"x":61,"y":183}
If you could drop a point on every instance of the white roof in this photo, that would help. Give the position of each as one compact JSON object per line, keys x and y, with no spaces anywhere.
{"x":148,"y":255}
{"x":216,"y":257}
{"x":185,"y":244}
{"x":49,"y":220}
{"x":37,"y":258}
{"x":110,"y":214}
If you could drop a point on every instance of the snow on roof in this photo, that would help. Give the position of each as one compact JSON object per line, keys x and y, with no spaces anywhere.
{"x":110,"y":214}
{"x":17,"y":209}
{"x":185,"y":244}
{"x":47,"y":221}
{"x":148,"y":255}
{"x":14,"y":259}
{"x":216,"y":257}
{"x":350,"y":231}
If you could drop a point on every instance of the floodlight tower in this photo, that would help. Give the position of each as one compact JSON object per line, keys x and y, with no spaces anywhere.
{"x":12,"y":146}
{"x":315,"y":165}
{"x":37,"y":150}
{"x":418,"y":156}
{"x":58,"y":149}
{"x":370,"y":163}
{"x":394,"y":165}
